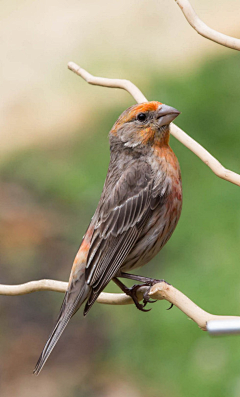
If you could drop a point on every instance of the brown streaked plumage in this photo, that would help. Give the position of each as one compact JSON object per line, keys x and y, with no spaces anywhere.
{"x":138,"y":210}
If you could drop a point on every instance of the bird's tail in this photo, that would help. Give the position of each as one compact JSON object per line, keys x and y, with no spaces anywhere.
{"x":69,"y":307}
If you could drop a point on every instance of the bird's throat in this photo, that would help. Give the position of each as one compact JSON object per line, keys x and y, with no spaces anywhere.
{"x":155,"y":136}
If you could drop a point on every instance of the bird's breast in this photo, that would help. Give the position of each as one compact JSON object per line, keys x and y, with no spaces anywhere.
{"x":160,"y":226}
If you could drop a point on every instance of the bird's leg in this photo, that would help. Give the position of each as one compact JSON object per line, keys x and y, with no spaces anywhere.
{"x":133,"y":293}
{"x":141,"y":279}
{"x":146,"y":281}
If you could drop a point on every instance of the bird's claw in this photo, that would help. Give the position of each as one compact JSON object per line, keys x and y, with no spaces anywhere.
{"x":133,"y":293}
{"x":146,"y":298}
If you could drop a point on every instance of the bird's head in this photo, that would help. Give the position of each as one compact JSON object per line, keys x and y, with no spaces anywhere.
{"x":144,"y":124}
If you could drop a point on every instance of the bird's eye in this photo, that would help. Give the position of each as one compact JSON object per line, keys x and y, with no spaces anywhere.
{"x":142,"y":117}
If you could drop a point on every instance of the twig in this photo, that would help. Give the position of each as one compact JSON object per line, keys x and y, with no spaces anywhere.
{"x":179,"y":134}
{"x":60,"y":286}
{"x":204,"y":155}
{"x":160,"y":291}
{"x":205,"y":30}
{"x":112,"y":83}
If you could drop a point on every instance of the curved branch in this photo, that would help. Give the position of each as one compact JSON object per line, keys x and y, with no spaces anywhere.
{"x":112,"y":83}
{"x":61,"y":286}
{"x":204,"y":155}
{"x":165,"y":291}
{"x":33,"y":286}
{"x":179,"y":134}
{"x":204,"y":30}
{"x":159,"y":291}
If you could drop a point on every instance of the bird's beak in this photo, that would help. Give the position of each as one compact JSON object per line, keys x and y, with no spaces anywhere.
{"x":166,"y":114}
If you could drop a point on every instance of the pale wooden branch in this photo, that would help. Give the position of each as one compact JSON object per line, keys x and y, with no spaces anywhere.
{"x":204,"y":155}
{"x":165,"y":291}
{"x":205,"y":30}
{"x":112,"y":83}
{"x":60,"y":286}
{"x":159,"y":291}
{"x":179,"y":134}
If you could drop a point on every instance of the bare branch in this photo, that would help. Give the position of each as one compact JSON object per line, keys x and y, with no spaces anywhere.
{"x":168,"y":292}
{"x":205,"y":30}
{"x":112,"y":83}
{"x":61,"y":286}
{"x":204,"y":155}
{"x":33,"y":286}
{"x":160,"y":291}
{"x":179,"y":134}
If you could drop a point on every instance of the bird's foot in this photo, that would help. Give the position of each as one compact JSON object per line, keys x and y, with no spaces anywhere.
{"x":133,"y":293}
{"x":146,"y":298}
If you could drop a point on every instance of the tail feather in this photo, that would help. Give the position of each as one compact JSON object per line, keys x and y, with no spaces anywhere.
{"x":68,"y":309}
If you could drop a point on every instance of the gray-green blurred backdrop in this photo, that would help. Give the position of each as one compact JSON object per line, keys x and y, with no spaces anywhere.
{"x":54,"y":157}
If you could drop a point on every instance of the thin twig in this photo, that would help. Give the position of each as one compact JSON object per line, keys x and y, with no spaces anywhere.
{"x":61,"y":286}
{"x":179,"y":134}
{"x":204,"y":155}
{"x":112,"y":83}
{"x":204,"y":30}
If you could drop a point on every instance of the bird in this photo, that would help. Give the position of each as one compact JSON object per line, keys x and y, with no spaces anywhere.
{"x":138,"y":210}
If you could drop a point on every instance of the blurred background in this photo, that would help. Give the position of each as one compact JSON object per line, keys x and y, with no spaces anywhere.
{"x":54,"y":156}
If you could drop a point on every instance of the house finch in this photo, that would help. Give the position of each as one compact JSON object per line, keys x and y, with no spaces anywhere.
{"x":138,"y":210}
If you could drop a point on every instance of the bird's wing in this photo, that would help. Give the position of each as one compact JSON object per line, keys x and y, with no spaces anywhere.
{"x":121,"y":214}
{"x":122,"y":211}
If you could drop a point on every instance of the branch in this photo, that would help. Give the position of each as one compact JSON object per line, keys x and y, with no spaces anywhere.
{"x":159,"y":291}
{"x":205,"y":30}
{"x":112,"y":83}
{"x":61,"y":286}
{"x":179,"y":134}
{"x":204,"y":155}
{"x":165,"y":291}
